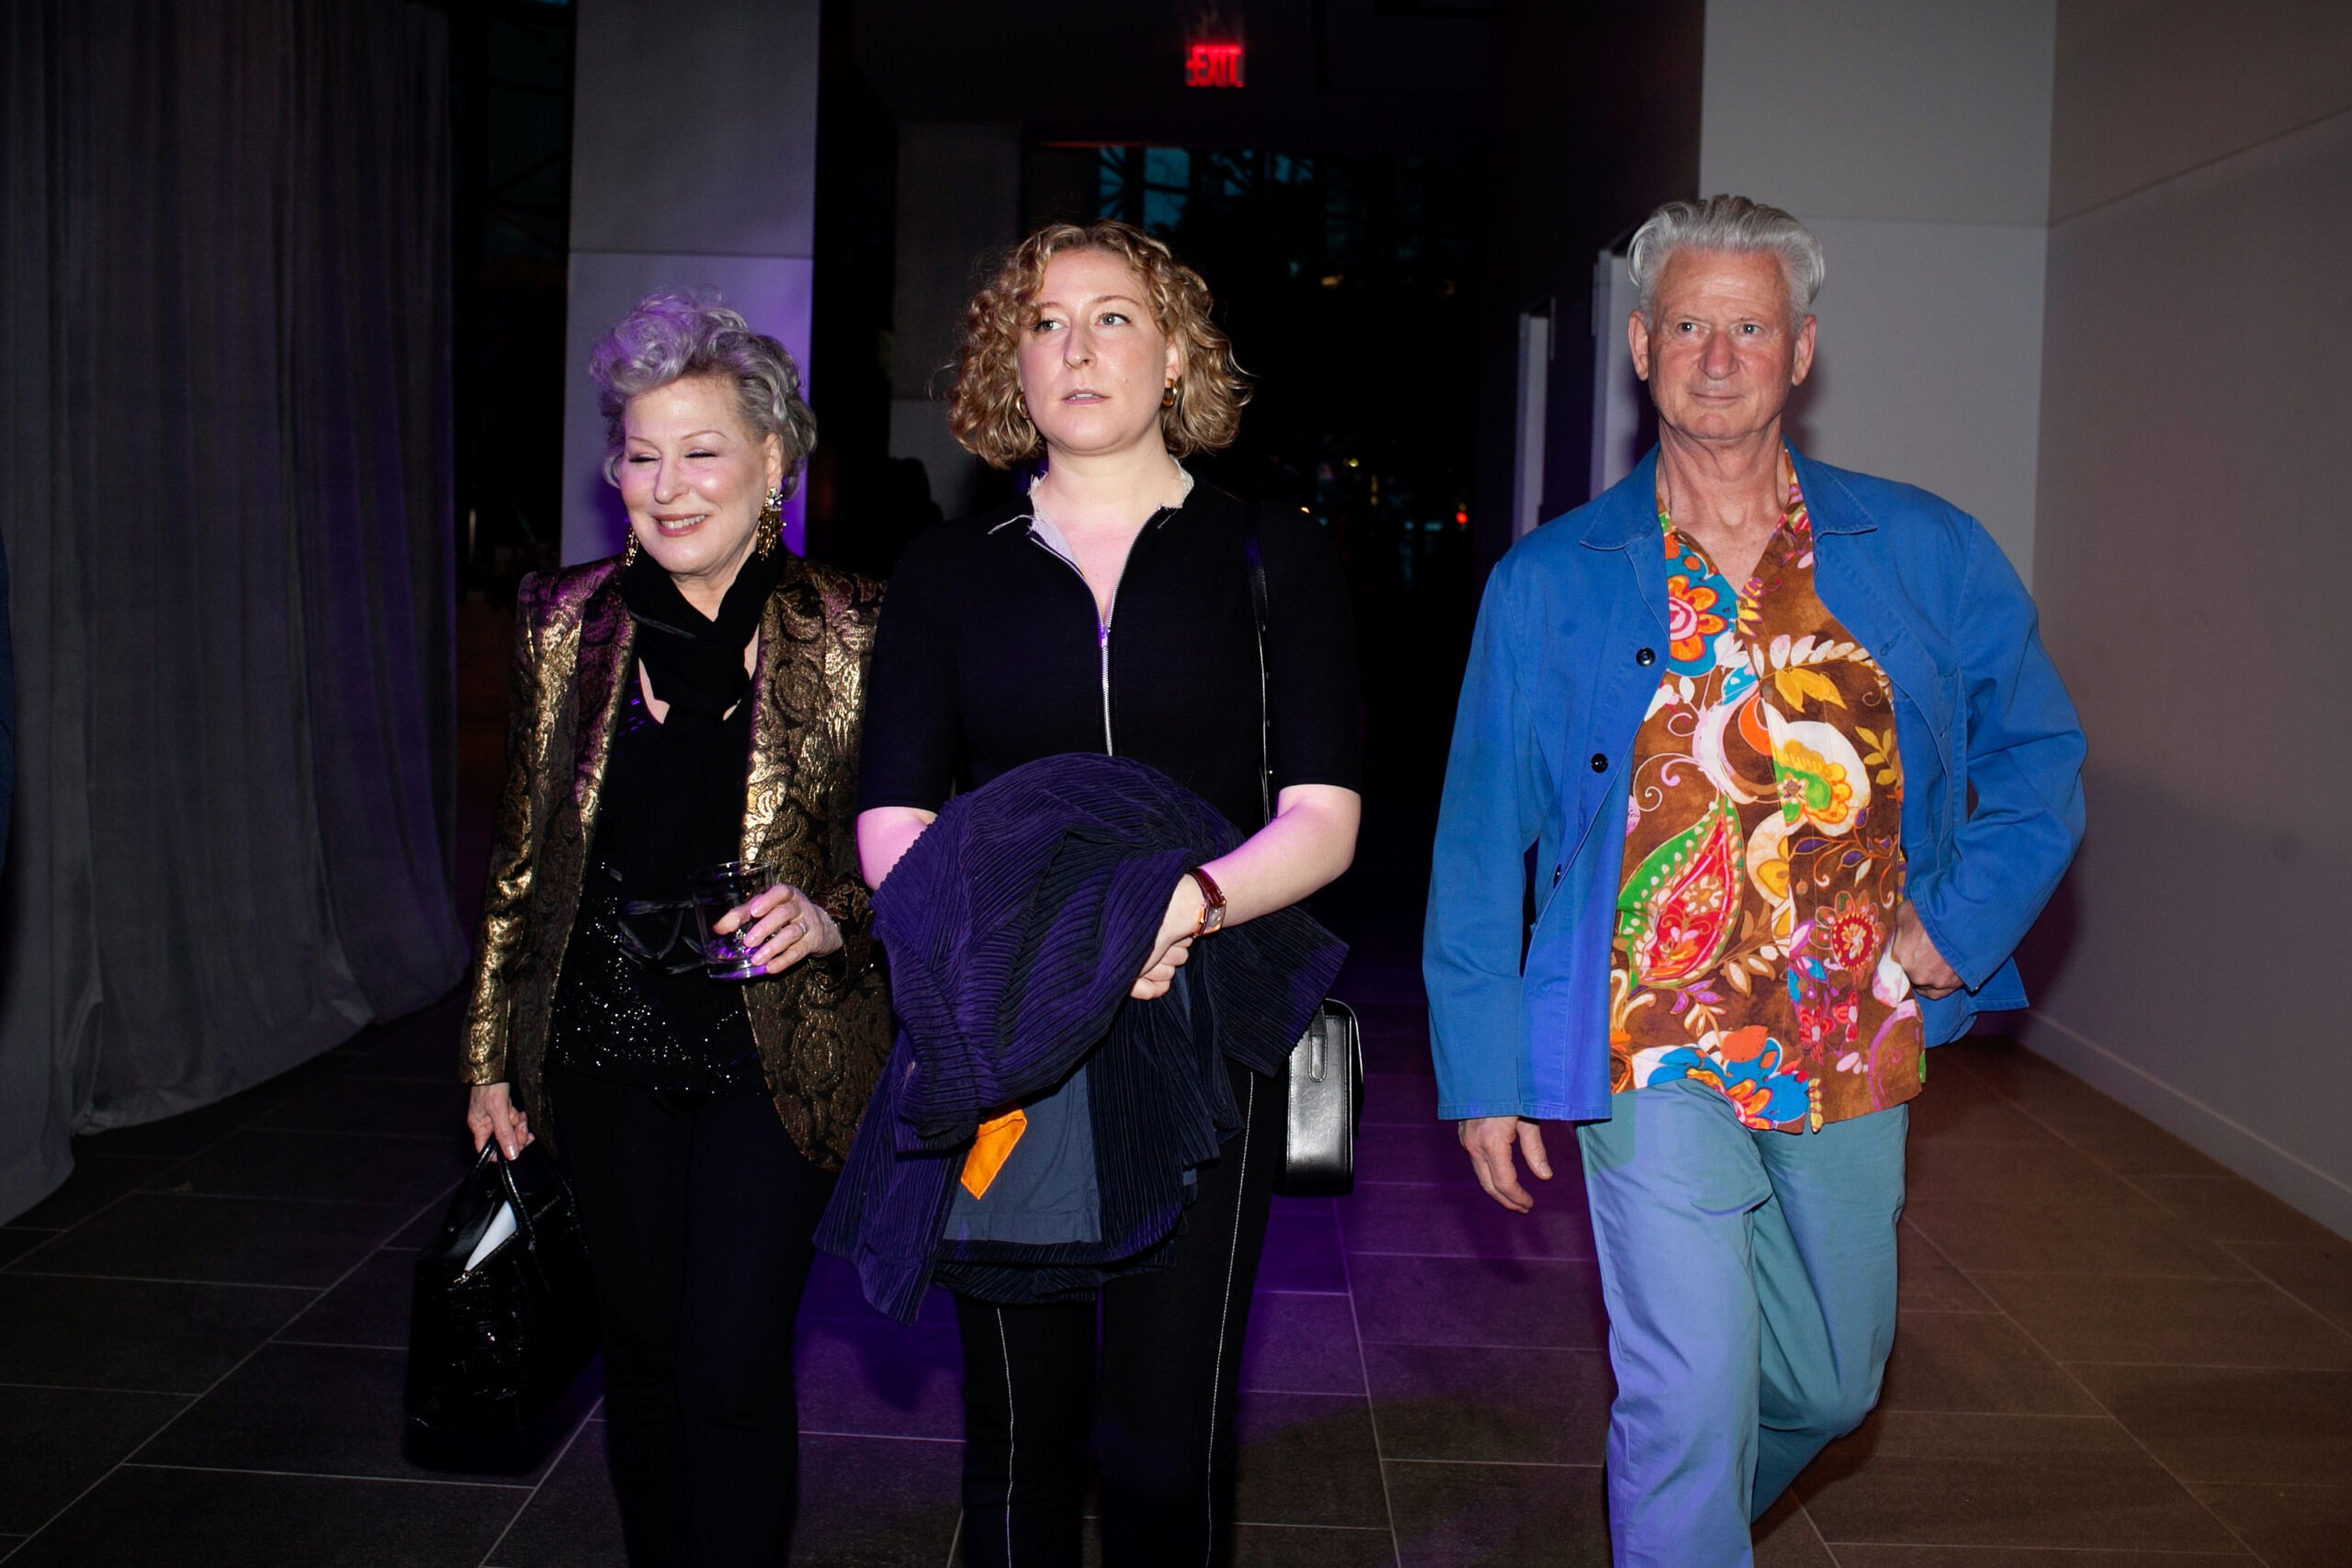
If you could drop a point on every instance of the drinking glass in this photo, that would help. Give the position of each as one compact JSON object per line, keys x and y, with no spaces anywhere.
{"x":716,"y":889}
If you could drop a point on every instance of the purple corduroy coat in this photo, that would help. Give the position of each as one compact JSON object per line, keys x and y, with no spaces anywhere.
{"x":1016,"y":926}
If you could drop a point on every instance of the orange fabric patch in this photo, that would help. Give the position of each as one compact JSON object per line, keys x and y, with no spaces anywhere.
{"x":990,"y":1148}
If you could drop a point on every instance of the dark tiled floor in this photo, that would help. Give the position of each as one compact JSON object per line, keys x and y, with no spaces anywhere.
{"x":2112,"y":1352}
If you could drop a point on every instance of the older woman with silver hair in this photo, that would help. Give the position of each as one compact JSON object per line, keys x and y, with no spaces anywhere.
{"x":692,"y":701}
{"x":1797,"y":777}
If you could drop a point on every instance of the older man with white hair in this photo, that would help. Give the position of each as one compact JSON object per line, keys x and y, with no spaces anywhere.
{"x":1797,"y":776}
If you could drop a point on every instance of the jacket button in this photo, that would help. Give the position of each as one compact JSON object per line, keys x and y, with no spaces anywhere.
{"x":1599,"y":762}
{"x":1646,"y":656}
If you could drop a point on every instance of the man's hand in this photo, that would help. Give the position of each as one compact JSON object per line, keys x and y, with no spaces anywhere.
{"x":1911,"y":948}
{"x":1491,"y":1140}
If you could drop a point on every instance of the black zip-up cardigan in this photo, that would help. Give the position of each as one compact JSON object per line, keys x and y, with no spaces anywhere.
{"x":988,"y":655}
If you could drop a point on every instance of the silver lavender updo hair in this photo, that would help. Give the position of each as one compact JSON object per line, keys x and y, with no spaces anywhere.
{"x":1727,"y":223}
{"x":679,"y":332}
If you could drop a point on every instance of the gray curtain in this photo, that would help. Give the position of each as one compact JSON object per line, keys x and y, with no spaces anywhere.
{"x":224,"y":409}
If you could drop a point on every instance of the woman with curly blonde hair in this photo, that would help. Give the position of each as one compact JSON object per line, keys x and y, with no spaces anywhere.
{"x":1110,"y":611}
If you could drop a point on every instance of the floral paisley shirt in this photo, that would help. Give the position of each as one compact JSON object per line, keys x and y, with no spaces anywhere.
{"x":1763,"y":854}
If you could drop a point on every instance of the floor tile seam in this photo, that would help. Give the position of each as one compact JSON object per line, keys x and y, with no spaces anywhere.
{"x":1472,"y":1256}
{"x":2060,"y":1552}
{"x":2028,"y":1111}
{"x":337,"y":1344}
{"x":875,"y":1436}
{"x":177,"y":1416}
{"x":1502,"y":1463}
{"x":2283,"y":1288}
{"x":1902,"y":1311}
{"x":349,"y":1131}
{"x":525,"y":1506}
{"x":1479,"y":1344}
{"x":2101,"y":1404}
{"x":2298,"y":1369}
{"x":2215,"y":1241}
{"x":1803,"y":1512}
{"x":1466,"y":1256}
{"x":1305,"y":1392}
{"x":2118,"y":1275}
{"x":265,"y":1198}
{"x":353,"y":1074}
{"x":326,"y":1475}
{"x":1464,"y":1182}
{"x":53,"y":1237}
{"x":1371,"y":1411}
{"x":2060,"y":1205}
{"x":159,"y":1280}
{"x":2249,"y":1280}
{"x":80,"y":1388}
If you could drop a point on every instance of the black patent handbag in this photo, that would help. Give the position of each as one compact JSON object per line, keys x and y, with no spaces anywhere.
{"x":1325,"y":1081}
{"x":503,"y":1312}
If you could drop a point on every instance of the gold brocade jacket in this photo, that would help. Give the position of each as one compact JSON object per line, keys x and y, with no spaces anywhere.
{"x":823,"y":1027}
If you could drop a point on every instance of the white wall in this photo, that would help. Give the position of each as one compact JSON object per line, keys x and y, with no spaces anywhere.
{"x":693,"y":164}
{"x":2193,"y":548}
{"x":1914,"y":138}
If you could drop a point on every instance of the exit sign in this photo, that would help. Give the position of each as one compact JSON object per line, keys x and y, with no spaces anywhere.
{"x":1213,"y":65}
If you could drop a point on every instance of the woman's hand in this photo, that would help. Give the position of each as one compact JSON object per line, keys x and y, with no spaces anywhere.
{"x":1174,"y":942}
{"x":491,"y":1113}
{"x":782,"y":927}
{"x":1912,"y":948}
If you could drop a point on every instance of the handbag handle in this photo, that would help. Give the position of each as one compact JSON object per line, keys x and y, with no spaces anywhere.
{"x":523,"y":1222}
{"x":1251,"y":553}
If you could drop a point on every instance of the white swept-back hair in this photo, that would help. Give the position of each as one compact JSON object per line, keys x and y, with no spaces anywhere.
{"x":1730,"y":223}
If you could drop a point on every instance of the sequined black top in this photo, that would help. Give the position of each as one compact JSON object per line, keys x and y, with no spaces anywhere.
{"x":634,"y":1004}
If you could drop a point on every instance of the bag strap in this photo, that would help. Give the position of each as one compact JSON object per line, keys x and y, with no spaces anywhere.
{"x":1255,"y":560}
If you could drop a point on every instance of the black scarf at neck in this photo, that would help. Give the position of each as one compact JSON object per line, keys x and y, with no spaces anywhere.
{"x":693,"y":805}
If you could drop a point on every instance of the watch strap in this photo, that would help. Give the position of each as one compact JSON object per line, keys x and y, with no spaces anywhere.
{"x":1212,"y":903}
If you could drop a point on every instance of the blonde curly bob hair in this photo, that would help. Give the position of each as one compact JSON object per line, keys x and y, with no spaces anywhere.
{"x":984,"y":407}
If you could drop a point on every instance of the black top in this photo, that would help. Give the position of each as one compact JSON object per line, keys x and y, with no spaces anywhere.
{"x":635,"y":1003}
{"x":988,"y":655}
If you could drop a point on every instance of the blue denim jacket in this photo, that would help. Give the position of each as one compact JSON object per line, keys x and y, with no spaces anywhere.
{"x":1555,"y":691}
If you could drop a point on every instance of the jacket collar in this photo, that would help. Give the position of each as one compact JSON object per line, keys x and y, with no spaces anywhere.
{"x":1833,"y":506}
{"x":1626,"y":512}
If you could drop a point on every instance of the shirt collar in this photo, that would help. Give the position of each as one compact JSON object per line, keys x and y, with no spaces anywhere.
{"x":1041,"y":528}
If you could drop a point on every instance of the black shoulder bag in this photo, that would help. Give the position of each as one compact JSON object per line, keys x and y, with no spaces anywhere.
{"x":1325,"y":1093}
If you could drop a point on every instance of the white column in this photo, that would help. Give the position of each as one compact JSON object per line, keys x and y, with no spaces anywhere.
{"x":693,"y":164}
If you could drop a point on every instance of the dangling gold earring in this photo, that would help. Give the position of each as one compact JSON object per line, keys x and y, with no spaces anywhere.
{"x":628,"y":555}
{"x":1167,"y":398}
{"x":771,"y":523}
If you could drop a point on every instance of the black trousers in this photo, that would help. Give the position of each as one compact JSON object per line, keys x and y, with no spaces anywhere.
{"x":1154,"y":1390}
{"x":698,"y":1212}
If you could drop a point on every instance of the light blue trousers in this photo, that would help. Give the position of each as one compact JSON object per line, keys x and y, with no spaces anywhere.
{"x":1751,"y":1284}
